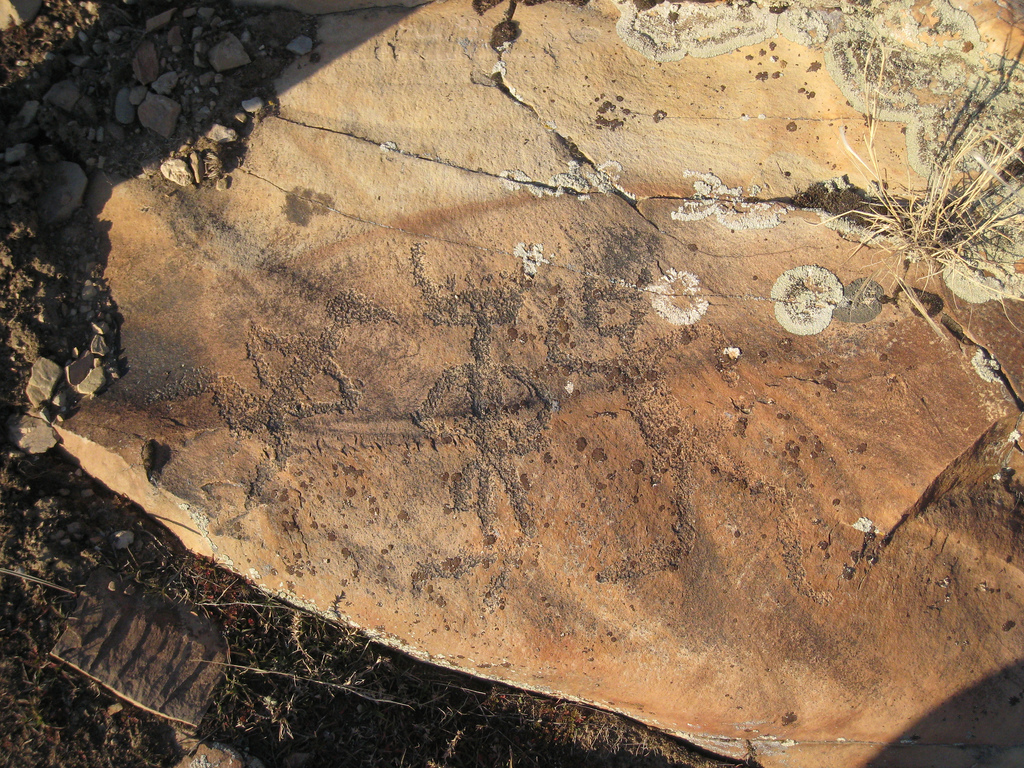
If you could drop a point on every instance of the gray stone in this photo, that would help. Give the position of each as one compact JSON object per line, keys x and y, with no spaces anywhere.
{"x":124,"y":111}
{"x":64,"y":185}
{"x":177,"y":171}
{"x":94,"y":382}
{"x":63,"y":95}
{"x":27,"y":114}
{"x":16,"y":154}
{"x":301,"y":45}
{"x":165,"y":83}
{"x":137,"y":94}
{"x":43,"y":380}
{"x":253,"y":105}
{"x":220,"y":134}
{"x":228,"y":54}
{"x":99,"y":346}
{"x":18,"y":12}
{"x":159,"y":114}
{"x":30,"y":434}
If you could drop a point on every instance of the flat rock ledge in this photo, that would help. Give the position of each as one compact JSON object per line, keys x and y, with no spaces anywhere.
{"x":526,"y":363}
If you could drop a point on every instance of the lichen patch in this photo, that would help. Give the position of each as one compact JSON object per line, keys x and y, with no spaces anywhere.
{"x":805,"y":298}
{"x":677,"y":298}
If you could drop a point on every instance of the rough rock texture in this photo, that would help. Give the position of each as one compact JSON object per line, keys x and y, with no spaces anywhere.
{"x":159,"y":655}
{"x":474,"y":358}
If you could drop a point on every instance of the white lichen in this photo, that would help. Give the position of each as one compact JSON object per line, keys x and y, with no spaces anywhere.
{"x":532,"y":257}
{"x":986,"y":366}
{"x":805,"y":298}
{"x":864,"y":525}
{"x":804,"y":26}
{"x":672,"y":31}
{"x":727,"y":204}
{"x":676,"y":298}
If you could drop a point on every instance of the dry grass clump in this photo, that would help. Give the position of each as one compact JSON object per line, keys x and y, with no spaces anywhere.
{"x":966,"y":225}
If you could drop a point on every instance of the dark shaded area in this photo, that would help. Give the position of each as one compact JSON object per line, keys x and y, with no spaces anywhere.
{"x":991,"y":711}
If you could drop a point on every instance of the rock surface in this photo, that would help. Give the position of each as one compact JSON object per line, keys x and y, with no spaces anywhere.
{"x":159,"y":114}
{"x":45,"y":376}
{"x":30,"y":434}
{"x":157,"y":654}
{"x":228,"y":54}
{"x":490,"y":356}
{"x":64,"y":187}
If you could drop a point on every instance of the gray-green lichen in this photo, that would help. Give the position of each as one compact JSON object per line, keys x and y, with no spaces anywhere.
{"x":861,"y":302}
{"x":805,"y":298}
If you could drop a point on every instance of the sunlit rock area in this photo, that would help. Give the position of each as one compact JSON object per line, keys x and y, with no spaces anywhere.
{"x":567,"y":346}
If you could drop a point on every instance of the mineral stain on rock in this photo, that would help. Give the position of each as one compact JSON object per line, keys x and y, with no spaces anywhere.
{"x":301,"y":205}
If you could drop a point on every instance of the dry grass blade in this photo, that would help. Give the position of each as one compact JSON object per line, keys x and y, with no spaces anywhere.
{"x":36,"y":580}
{"x":966,"y":225}
{"x":336,"y":686}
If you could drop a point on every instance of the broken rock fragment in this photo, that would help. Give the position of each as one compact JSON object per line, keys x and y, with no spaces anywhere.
{"x":159,"y":655}
{"x":159,"y":114}
{"x":44,"y":378}
{"x":228,"y":54}
{"x":31,"y":434}
{"x":146,"y":63}
{"x":178,"y":171}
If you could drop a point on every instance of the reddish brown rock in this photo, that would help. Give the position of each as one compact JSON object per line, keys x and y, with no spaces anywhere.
{"x":159,"y":655}
{"x":549,"y":429}
{"x":159,"y":114}
{"x":145,"y":63}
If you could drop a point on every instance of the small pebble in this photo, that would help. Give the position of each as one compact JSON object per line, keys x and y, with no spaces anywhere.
{"x":300,"y":46}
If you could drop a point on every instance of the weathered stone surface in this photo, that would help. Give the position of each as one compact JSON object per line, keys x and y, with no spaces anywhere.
{"x":64,"y":187}
{"x":177,"y":171}
{"x":64,"y":94}
{"x":516,"y":412}
{"x":146,"y":63}
{"x":44,"y":378}
{"x":159,"y":114}
{"x":30,"y":434}
{"x":159,"y":655}
{"x":228,"y":54}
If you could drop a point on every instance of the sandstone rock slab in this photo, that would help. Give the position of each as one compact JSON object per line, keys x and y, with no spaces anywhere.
{"x":552,"y":432}
{"x":159,"y":655}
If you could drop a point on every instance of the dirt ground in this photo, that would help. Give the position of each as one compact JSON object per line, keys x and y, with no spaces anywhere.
{"x":57,"y":525}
